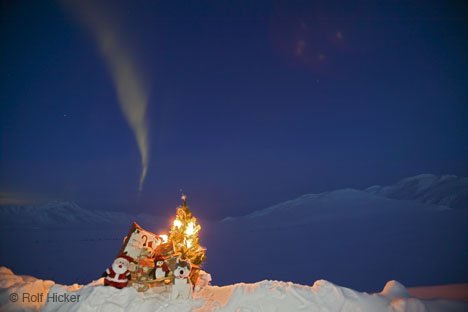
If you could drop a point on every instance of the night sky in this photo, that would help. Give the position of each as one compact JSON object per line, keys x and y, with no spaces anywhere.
{"x":250,"y":103}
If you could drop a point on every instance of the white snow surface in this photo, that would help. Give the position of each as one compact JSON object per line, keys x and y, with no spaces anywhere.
{"x":262,"y":296}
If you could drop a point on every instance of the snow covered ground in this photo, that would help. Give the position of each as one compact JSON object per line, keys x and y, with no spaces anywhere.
{"x":415,"y":231}
{"x":25,"y":293}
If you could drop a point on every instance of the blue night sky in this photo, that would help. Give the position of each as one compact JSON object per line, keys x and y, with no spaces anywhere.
{"x":250,"y":102}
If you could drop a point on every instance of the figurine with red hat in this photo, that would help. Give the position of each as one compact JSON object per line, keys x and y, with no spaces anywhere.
{"x":161,"y":270}
{"x":118,"y":274}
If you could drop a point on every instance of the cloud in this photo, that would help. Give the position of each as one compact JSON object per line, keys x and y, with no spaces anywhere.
{"x":127,"y":78}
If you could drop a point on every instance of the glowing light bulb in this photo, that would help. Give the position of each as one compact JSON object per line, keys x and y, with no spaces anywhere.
{"x":164,"y":238}
{"x":190,"y":230}
{"x":177,"y":223}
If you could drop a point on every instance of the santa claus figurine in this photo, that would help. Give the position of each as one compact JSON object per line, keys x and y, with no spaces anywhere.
{"x":118,"y":274}
{"x":160,"y":267}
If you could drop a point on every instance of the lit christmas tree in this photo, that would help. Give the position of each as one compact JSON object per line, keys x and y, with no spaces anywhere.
{"x":184,"y":235}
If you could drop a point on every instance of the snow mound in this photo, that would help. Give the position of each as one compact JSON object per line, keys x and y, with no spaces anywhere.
{"x":12,"y":285}
{"x":262,"y":296}
{"x":394,"y":289}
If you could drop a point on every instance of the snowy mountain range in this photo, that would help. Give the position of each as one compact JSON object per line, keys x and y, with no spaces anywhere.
{"x":443,"y":190}
{"x":415,"y":231}
{"x":339,"y":202}
{"x":59,"y":214}
{"x":425,"y":191}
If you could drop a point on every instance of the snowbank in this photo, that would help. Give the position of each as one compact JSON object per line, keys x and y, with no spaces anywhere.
{"x":25,"y":293}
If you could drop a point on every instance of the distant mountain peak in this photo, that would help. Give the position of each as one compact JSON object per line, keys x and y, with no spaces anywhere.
{"x":424,"y":190}
{"x":443,"y":190}
{"x":56,"y":214}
